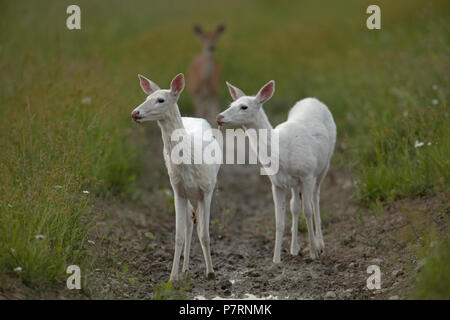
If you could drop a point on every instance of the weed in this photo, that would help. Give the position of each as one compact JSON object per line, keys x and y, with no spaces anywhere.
{"x":171,"y":291}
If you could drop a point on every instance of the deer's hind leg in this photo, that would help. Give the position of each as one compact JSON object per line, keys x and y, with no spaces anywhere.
{"x":203,"y":232}
{"x":317,"y":220}
{"x":307,"y":198}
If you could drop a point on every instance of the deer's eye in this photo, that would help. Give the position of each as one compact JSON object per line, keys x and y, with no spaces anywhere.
{"x":160,"y":100}
{"x":244,"y":107}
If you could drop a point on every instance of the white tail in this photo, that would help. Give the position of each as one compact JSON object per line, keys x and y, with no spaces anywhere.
{"x":190,"y":182}
{"x":204,"y":75}
{"x":306,"y":145}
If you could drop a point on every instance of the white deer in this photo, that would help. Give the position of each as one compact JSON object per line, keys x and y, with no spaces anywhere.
{"x":190,"y":182}
{"x":306,"y":144}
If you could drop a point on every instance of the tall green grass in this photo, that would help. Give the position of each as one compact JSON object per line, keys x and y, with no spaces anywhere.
{"x":434,"y":279}
{"x":406,"y":151}
{"x":64,"y":141}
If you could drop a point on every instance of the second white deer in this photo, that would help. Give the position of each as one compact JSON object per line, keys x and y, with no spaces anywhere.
{"x":306,"y":144}
{"x":189,"y":181}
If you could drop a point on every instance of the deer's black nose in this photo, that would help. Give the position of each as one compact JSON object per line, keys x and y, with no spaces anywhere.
{"x":135,"y":115}
{"x":219,"y":119}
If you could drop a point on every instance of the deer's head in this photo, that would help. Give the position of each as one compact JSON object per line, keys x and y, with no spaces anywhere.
{"x":244,"y":109}
{"x":159,"y":101}
{"x":209,"y":39}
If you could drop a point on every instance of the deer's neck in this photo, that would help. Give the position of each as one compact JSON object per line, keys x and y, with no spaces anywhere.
{"x":264,"y":132}
{"x":260,"y":122}
{"x":171,"y":122}
{"x":208,"y":53}
{"x":208,"y":63}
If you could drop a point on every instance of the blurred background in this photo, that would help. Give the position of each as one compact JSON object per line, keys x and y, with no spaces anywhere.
{"x":66,"y":97}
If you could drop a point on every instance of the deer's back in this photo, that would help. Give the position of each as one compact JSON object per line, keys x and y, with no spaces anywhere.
{"x":307,"y":138}
{"x":316,"y":114}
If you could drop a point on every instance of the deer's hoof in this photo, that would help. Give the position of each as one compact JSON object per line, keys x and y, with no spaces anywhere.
{"x":295,"y":250}
{"x":211,"y":276}
{"x":321,"y":247}
{"x":321,"y":251}
{"x":314,"y":254}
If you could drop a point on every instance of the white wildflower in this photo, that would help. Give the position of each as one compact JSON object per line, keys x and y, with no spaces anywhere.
{"x":18,"y":269}
{"x":418,"y":144}
{"x":85,"y":191}
{"x":435,"y":101}
{"x":57,"y":187}
{"x":91,"y":242}
{"x":86,"y":100}
{"x":429,"y":143}
{"x":39,"y":236}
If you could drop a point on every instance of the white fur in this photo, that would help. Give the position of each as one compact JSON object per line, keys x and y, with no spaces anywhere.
{"x":306,"y":145}
{"x":190,"y":182}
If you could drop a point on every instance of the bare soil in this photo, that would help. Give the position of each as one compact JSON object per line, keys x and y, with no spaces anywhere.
{"x":242,"y":240}
{"x":133,"y":243}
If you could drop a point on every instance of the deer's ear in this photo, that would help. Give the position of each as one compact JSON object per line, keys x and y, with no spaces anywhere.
{"x":235,"y":92}
{"x":147,"y":85}
{"x":198,"y":30}
{"x":220,"y":29}
{"x":177,"y":85}
{"x":266,"y":92}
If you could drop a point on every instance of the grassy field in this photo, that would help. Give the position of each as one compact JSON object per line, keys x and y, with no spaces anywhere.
{"x":65,"y":99}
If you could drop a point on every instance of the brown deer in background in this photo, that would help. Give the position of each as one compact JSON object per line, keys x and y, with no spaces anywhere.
{"x":203,"y":76}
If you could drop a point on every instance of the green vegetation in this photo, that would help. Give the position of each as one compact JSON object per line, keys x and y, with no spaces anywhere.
{"x":65,"y":99}
{"x":434,"y":279}
{"x":64,"y":141}
{"x":167,"y":291}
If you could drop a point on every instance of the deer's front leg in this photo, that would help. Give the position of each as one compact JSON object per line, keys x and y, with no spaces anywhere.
{"x":296,"y":207}
{"x":180,"y":229}
{"x":279,"y":199}
{"x":190,"y":216}
{"x":203,"y":232}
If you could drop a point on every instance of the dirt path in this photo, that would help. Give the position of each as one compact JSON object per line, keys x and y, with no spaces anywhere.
{"x":138,"y":238}
{"x":242,"y":239}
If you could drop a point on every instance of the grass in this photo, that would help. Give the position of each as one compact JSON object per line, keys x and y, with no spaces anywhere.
{"x":167,"y":290}
{"x":61,"y":135}
{"x":434,"y":279}
{"x":408,"y":141}
{"x":66,"y":96}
